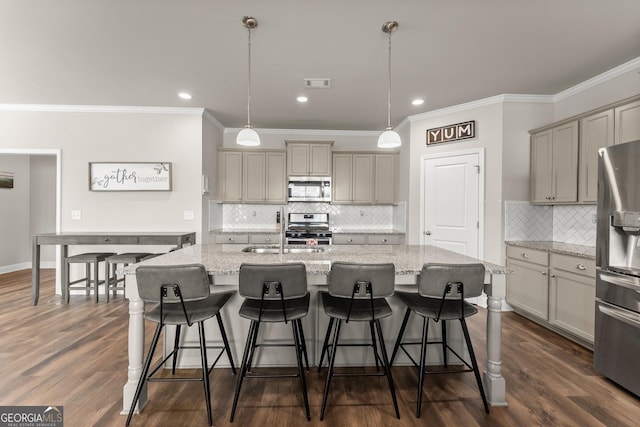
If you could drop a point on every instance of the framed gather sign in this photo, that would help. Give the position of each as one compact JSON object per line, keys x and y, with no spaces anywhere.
{"x":129,"y":176}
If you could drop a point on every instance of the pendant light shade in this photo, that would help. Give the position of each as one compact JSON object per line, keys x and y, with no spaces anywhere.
{"x":247,"y":136}
{"x":389,"y":138}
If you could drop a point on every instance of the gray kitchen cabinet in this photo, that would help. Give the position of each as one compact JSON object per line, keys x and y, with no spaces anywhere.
{"x":366,"y":239}
{"x":231,"y":238}
{"x":252,"y":176}
{"x":554,"y":165}
{"x":627,"y":119}
{"x":230,"y":176}
{"x":528,"y":285}
{"x":596,"y":131}
{"x":309,"y":158}
{"x":364,"y":178}
{"x":385,"y":183}
{"x":572,"y":294}
{"x":264,"y":179}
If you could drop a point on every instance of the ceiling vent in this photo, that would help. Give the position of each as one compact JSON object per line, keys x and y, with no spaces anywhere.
{"x":317,"y":83}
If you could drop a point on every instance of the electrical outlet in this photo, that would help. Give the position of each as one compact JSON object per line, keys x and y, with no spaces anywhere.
{"x":188,"y":215}
{"x":76,"y":214}
{"x":594,"y":218}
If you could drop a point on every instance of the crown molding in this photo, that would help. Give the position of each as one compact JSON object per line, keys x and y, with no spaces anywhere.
{"x":99,"y":109}
{"x":599,"y":79}
{"x":208,"y":116}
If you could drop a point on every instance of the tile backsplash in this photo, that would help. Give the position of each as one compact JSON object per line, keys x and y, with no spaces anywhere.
{"x":563,"y":223}
{"x":248,"y":216}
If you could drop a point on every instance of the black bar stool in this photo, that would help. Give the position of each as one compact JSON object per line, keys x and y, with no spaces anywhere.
{"x":442,"y":289}
{"x":357,"y":293}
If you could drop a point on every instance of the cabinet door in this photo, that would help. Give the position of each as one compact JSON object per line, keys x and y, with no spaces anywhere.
{"x":230,"y":176}
{"x":320,"y":159}
{"x":541,"y":167}
{"x":342,"y":178}
{"x":362,"y":179}
{"x":572,"y":303}
{"x":349,"y":239}
{"x":298,"y":159}
{"x":276,"y":178}
{"x":254,"y":174}
{"x":596,"y":131}
{"x":627,"y":123}
{"x":385,"y":184}
{"x":527,"y":288}
{"x":565,"y":163}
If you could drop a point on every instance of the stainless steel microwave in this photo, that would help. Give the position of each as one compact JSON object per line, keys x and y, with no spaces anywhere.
{"x":309,"y":189}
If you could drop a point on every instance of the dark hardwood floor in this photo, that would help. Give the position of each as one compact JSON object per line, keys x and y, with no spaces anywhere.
{"x":76,"y":356}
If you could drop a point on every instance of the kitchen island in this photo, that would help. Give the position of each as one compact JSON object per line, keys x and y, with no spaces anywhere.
{"x":223,"y":264}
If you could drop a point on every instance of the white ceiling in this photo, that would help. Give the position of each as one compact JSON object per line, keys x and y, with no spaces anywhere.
{"x":143,"y":52}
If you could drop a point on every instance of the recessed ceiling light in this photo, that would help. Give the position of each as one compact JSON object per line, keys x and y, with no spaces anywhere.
{"x":417,"y":101}
{"x":185,"y":95}
{"x":302,"y":99}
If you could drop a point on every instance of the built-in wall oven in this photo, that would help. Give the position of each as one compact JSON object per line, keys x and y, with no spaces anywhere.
{"x":308,"y":229}
{"x":617,"y":316}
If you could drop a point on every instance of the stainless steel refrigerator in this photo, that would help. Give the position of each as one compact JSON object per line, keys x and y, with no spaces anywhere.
{"x":617,"y":328}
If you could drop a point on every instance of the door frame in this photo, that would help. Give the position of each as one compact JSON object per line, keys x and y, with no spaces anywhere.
{"x":480,"y":152}
{"x":51,"y":152}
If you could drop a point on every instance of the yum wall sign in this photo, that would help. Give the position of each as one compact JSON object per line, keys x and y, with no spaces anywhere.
{"x":450,"y":133}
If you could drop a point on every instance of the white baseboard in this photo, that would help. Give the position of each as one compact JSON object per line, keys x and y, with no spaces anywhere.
{"x":15,"y":267}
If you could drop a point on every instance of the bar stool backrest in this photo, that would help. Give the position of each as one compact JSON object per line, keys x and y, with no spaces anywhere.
{"x":260,"y":281}
{"x":192,"y":280}
{"x":434,"y":279}
{"x":345,"y":275}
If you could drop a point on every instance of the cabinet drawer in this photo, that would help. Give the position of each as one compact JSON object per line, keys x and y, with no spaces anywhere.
{"x":88,"y":240}
{"x":349,"y":239}
{"x":528,"y":255}
{"x":577,"y":265}
{"x":384,"y":239}
{"x":232,"y":238}
{"x":264,"y":238}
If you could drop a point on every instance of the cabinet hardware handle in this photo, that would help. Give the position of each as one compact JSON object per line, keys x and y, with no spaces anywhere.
{"x":581,"y":267}
{"x":268,"y":239}
{"x":106,"y":240}
{"x":349,"y":240}
{"x":525,"y":255}
{"x":553,"y":276}
{"x":544,"y":273}
{"x":384,"y":240}
{"x":231,"y":239}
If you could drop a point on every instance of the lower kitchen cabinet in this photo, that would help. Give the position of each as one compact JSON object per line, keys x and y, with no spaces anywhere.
{"x":246,"y":238}
{"x":572,"y":294}
{"x":367,"y":239}
{"x":556,"y":290}
{"x":528,"y":285}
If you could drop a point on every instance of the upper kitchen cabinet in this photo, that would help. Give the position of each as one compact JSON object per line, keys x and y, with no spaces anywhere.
{"x":596,"y":131}
{"x":252,"y":176}
{"x":309,"y":158}
{"x":627,"y":122}
{"x":230,"y":176}
{"x":554,"y":165}
{"x":364,"y":178}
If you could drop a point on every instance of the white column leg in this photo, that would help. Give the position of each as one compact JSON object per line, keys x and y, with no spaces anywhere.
{"x":136,"y":347}
{"x":494,"y":382}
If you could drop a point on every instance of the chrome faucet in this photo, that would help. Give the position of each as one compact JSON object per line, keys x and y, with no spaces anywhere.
{"x":283,"y":229}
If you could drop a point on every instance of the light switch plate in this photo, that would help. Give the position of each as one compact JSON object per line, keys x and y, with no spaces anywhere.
{"x":188,"y":215}
{"x":76,"y":214}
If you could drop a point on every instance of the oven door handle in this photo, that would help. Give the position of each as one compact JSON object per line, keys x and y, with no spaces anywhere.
{"x":625,"y":316}
{"x":625,"y":282}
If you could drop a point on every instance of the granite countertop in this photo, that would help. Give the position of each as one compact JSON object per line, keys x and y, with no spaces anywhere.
{"x":582,"y":251}
{"x":224,"y":260}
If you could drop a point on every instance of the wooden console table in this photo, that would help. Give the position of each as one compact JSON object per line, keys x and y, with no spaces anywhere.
{"x":179,"y":239}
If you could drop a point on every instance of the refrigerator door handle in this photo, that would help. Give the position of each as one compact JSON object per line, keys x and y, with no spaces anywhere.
{"x":625,"y":316}
{"x":625,"y":282}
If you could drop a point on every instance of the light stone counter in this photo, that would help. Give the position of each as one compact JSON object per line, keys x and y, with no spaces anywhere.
{"x":583,"y":251}
{"x":223,"y":264}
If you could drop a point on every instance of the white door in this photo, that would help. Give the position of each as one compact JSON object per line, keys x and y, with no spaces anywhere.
{"x":452,"y":202}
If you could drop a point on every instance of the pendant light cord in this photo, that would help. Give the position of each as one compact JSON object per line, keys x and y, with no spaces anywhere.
{"x":249,"y":83}
{"x":389,"y":86}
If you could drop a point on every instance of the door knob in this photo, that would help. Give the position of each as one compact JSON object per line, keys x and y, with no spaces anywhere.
{"x":428,"y":233}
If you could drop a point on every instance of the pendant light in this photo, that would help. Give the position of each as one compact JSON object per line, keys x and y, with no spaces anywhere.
{"x":248,"y":136}
{"x":389,"y":138}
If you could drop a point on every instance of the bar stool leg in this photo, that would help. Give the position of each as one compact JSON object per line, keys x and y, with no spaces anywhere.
{"x":205,"y":371}
{"x":387,"y":367}
{"x":423,"y":362}
{"x":226,"y":342}
{"x":326,"y":343}
{"x":375,"y":347}
{"x":303,"y":384}
{"x":332,"y":359}
{"x":243,"y":368}
{"x":444,"y":342}
{"x":400,"y":335}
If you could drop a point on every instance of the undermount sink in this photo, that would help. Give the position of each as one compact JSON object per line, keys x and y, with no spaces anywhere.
{"x":276,"y":250}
